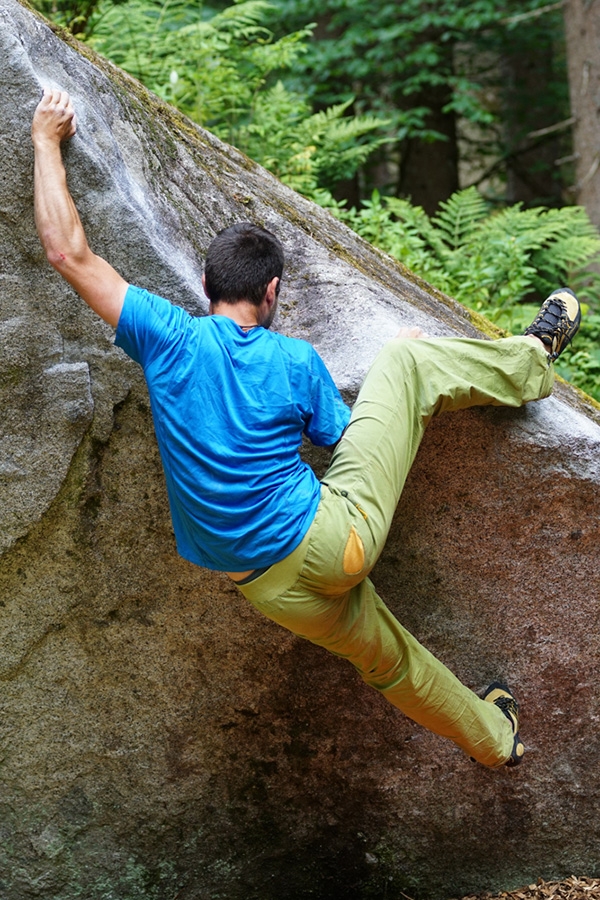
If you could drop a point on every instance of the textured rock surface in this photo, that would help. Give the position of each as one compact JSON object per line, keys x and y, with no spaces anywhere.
{"x":158,"y":739}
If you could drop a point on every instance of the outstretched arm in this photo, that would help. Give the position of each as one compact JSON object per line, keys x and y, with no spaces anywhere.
{"x":56,"y":217}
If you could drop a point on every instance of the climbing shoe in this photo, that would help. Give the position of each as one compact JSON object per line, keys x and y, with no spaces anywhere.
{"x":500,"y":695}
{"x":557,"y":321}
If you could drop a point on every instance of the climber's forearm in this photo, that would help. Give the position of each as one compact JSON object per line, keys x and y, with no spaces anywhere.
{"x":56,"y":217}
{"x":57,"y":220}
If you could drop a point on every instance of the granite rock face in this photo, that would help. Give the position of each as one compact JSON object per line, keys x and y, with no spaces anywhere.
{"x":158,"y":738}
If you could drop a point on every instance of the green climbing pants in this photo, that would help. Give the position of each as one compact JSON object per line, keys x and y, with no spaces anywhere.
{"x":321,"y":590}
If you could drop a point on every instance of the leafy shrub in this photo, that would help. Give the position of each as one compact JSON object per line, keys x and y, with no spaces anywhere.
{"x":494,"y":262}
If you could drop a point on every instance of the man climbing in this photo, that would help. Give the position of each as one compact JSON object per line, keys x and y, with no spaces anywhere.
{"x":231,"y":401}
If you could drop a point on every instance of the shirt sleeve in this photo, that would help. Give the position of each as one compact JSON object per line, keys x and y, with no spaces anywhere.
{"x":329,"y":415}
{"x":148,"y":325}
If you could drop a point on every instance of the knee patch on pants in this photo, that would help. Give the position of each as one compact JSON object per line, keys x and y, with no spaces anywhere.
{"x":354,"y":554}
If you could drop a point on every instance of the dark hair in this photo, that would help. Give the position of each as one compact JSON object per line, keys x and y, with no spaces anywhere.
{"x":240,"y":263}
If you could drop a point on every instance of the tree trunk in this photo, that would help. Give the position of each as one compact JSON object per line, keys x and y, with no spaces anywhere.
{"x":429,"y":169}
{"x":582,"y":32}
{"x":531,"y":174}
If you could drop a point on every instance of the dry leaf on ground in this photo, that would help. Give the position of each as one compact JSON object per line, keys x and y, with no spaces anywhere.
{"x":571,"y":888}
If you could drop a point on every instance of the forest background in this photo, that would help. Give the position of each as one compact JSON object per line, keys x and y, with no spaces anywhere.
{"x":462,"y":138}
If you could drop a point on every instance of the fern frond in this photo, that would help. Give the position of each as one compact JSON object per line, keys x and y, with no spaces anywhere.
{"x":459,"y":216}
{"x":269,"y":56}
{"x":577,"y":244}
{"x":241,"y":19}
{"x":418,"y":223}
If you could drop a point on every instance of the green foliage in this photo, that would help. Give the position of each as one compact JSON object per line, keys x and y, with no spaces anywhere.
{"x":71,"y":14}
{"x":310,"y":150}
{"x":389,"y":54}
{"x":208,"y":66}
{"x":224,"y":71}
{"x":494,"y":261}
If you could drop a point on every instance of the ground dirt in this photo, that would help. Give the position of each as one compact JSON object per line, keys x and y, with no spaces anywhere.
{"x":572,"y":888}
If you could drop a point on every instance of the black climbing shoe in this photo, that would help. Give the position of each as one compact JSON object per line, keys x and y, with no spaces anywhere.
{"x":557,"y":321}
{"x":499,"y":694}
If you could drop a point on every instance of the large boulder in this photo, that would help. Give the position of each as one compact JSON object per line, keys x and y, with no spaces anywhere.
{"x":158,"y":738}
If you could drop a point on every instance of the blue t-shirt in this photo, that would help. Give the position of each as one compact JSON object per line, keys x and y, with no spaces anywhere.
{"x":230,"y":408}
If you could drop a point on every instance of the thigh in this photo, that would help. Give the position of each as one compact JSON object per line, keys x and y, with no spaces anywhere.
{"x":409,"y":382}
{"x":373,"y":459}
